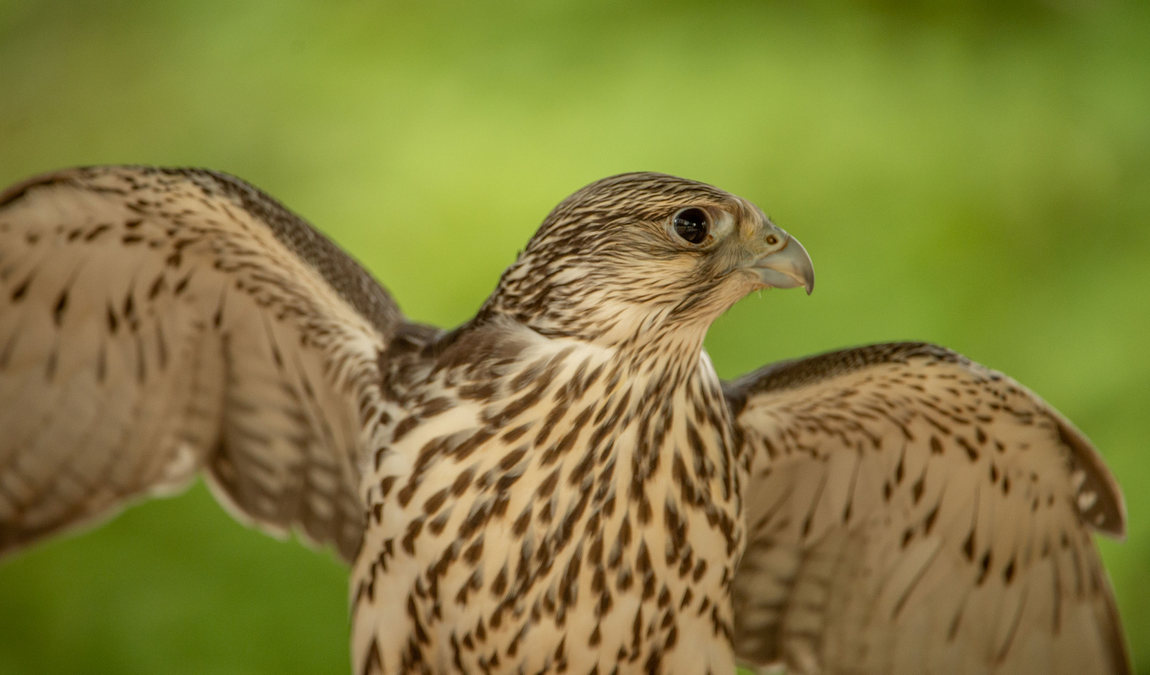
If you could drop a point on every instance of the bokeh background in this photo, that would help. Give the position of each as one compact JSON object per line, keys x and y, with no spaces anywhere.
{"x":977,"y":176}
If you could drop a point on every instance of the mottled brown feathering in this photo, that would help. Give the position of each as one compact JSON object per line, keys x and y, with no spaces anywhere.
{"x":561,"y":484}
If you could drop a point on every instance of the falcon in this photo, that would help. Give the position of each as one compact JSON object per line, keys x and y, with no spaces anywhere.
{"x":562,"y":483}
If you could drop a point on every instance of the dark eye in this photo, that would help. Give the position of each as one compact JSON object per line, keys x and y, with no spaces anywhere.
{"x":692,"y":225}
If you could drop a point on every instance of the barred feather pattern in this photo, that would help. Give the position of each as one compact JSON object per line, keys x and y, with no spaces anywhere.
{"x":575,"y":511}
{"x":916,"y":512}
{"x":158,"y":321}
{"x":561,"y":484}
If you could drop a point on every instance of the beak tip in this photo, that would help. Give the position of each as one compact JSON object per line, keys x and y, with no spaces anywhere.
{"x":788,"y":267}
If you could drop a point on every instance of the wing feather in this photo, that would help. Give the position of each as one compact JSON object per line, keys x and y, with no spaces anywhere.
{"x":910,"y":511}
{"x":154,"y":322}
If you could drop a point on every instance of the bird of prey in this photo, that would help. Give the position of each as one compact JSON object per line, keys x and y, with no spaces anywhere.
{"x":562,"y":483}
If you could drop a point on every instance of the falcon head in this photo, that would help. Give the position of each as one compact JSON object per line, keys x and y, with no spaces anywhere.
{"x":638,"y":256}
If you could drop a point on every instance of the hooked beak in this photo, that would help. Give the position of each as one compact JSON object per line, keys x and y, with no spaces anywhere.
{"x":788,"y":267}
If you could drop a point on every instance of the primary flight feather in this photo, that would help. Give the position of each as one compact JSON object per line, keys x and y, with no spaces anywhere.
{"x":561,"y":484}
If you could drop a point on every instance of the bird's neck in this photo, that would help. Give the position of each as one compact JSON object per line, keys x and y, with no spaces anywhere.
{"x":662,"y":341}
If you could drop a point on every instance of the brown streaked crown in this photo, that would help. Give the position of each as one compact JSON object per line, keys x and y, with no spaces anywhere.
{"x":605,"y":255}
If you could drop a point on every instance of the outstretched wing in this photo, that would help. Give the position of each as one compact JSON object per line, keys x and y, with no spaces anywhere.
{"x":156,"y":321}
{"x":910,"y":511}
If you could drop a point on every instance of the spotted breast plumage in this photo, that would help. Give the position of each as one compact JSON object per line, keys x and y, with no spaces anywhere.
{"x":562,"y":483}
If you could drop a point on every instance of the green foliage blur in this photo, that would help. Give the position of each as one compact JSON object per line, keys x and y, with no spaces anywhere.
{"x":977,"y":176}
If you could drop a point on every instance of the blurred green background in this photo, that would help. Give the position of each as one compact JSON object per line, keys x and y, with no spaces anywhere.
{"x":975,"y":176}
